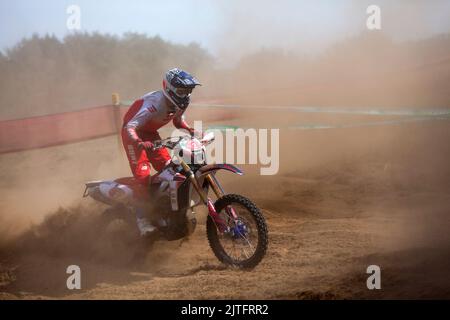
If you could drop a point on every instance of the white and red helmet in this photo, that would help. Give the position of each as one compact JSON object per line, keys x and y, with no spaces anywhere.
{"x":178,"y":86}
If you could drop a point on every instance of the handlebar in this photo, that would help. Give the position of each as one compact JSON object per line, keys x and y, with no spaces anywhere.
{"x":171,"y":142}
{"x":168,"y":142}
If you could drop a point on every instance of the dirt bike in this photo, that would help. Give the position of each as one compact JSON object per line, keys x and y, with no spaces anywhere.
{"x":235,"y":227}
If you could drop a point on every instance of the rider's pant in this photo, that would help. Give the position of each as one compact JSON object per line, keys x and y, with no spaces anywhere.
{"x":140,"y":160}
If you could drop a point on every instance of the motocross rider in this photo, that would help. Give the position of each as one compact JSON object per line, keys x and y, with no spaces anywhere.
{"x":141,"y":122}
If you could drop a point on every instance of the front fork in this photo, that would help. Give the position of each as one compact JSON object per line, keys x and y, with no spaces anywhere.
{"x":217,"y":188}
{"x":221,"y":225}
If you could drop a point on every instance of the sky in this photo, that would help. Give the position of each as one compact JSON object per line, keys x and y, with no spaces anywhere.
{"x":227,"y":27}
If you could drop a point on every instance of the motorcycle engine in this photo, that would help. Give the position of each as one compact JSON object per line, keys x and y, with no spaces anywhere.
{"x":173,"y":225}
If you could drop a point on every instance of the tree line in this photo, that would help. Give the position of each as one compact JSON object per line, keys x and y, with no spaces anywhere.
{"x":45,"y":75}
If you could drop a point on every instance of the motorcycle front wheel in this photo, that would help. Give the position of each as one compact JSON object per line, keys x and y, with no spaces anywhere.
{"x":245,"y":242}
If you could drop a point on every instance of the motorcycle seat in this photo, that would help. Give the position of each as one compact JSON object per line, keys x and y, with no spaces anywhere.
{"x":129,"y":181}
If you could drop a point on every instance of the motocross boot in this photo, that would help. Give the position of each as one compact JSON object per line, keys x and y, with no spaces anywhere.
{"x":145,"y":227}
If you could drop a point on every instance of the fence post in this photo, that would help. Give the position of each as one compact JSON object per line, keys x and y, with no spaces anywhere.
{"x":116,"y":105}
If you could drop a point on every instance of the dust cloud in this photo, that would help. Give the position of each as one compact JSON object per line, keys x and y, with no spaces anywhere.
{"x":343,"y":198}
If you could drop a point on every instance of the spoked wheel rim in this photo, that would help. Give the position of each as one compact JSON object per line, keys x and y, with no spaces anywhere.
{"x":242,"y":247}
{"x":240,"y":241}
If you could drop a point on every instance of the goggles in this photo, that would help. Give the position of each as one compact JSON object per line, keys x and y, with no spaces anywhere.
{"x":183,"y":92}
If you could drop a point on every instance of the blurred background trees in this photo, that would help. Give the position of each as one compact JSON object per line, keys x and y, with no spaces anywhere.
{"x":44,"y":75}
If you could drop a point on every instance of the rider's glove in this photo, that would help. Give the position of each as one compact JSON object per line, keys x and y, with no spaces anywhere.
{"x":145,"y":145}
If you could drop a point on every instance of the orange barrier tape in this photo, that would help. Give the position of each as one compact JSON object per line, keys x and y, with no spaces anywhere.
{"x":62,"y":128}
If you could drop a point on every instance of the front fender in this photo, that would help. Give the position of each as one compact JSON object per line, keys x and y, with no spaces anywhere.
{"x":210,"y":168}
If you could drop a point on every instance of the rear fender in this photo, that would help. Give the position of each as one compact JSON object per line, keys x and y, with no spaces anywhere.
{"x":91,"y":186}
{"x":108,"y":192}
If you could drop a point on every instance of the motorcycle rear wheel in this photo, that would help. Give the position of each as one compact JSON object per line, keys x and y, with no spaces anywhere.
{"x":255,"y":225}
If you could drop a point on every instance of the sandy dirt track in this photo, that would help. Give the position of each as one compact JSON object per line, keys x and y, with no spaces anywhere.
{"x":342,"y":200}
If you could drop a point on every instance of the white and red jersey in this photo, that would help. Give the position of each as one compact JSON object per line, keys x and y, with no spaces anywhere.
{"x":150,"y":113}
